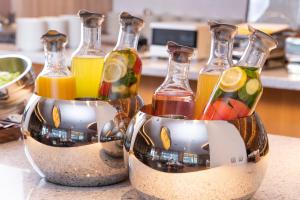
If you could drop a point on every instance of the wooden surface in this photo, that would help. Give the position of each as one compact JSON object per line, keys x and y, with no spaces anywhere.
{"x":36,"y":8}
{"x":9,"y":134}
{"x":278,"y":109}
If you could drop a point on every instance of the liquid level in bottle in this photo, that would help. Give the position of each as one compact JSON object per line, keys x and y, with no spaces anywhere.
{"x":176,"y":103}
{"x":206,"y":84}
{"x":87,"y":71}
{"x":56,"y":87}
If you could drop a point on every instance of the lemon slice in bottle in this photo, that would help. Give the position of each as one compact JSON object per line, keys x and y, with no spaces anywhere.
{"x":233,"y":79}
{"x":123,"y":58}
{"x":112,"y":72}
{"x":117,"y":58}
{"x":121,"y":64}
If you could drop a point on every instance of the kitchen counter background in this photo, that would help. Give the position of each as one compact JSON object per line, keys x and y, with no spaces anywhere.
{"x":19,"y":181}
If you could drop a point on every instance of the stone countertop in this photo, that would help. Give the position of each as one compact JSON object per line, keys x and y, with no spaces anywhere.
{"x":275,"y":78}
{"x":19,"y":181}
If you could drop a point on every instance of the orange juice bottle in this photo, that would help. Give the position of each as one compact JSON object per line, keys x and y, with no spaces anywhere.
{"x":220,"y":59}
{"x":55,"y":81}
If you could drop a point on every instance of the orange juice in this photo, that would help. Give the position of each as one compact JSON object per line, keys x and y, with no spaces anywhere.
{"x":56,"y":87}
{"x":205,"y":86}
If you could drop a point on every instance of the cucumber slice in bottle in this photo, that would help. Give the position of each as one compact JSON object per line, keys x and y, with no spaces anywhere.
{"x":252,"y":86}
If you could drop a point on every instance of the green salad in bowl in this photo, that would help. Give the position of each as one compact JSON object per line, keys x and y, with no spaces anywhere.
{"x":6,"y":77}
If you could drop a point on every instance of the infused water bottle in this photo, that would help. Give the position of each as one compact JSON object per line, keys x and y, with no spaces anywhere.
{"x":123,"y":66}
{"x":239,"y":88}
{"x":88,"y":59}
{"x":55,"y":80}
{"x":174,"y":97}
{"x":220,"y":59}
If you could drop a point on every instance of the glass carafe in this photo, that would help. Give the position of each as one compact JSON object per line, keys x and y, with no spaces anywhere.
{"x":88,"y":59}
{"x":123,"y":66}
{"x":174,"y":97}
{"x":240,"y":87}
{"x":55,"y":80}
{"x":220,"y":59}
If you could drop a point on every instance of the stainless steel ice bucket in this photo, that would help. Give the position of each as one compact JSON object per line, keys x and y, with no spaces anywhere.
{"x":171,"y":158}
{"x":14,"y":95}
{"x":78,"y":143}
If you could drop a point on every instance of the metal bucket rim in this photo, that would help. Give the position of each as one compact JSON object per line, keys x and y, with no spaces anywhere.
{"x":147,"y":110}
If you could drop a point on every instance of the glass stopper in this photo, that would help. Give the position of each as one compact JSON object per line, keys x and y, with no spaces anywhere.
{"x":91,"y":19}
{"x":54,"y":40}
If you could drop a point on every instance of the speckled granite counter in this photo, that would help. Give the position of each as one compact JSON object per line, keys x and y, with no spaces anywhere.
{"x":19,"y":181}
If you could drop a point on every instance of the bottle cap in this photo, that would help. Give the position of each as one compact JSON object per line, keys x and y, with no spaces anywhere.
{"x":54,"y":40}
{"x":262,"y":40}
{"x":223,"y":31}
{"x":131,"y":23}
{"x":91,"y":19}
{"x":179,"y":52}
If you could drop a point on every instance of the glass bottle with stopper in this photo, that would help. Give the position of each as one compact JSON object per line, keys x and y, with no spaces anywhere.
{"x":88,"y":59}
{"x":55,"y":80}
{"x":174,"y":97}
{"x":123,"y":66}
{"x":222,"y":36}
{"x":240,"y":87}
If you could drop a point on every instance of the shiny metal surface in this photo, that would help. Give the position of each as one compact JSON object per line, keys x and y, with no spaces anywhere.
{"x":15,"y":94}
{"x":192,"y":159}
{"x":78,"y":143}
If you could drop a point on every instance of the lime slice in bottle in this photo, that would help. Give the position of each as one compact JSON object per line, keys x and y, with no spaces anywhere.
{"x":252,"y":86}
{"x":112,"y":72}
{"x":233,"y":79}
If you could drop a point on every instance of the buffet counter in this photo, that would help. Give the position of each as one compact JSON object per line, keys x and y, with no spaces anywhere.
{"x":19,"y":181}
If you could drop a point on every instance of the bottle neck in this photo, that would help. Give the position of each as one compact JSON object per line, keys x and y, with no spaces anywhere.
{"x":178,"y":73}
{"x":91,"y":37}
{"x":127,"y":39}
{"x":55,"y":60}
{"x":254,"y":56}
{"x":220,"y":53}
